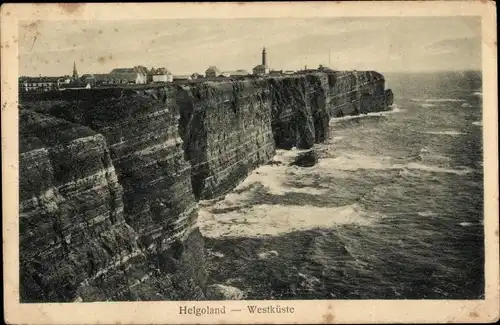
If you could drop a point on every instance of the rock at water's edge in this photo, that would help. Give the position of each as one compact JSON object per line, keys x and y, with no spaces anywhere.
{"x":306,"y":159}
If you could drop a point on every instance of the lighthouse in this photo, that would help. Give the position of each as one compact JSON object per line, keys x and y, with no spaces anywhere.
{"x":262,"y":68}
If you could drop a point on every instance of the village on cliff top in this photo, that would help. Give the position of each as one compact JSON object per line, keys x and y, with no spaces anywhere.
{"x":142,"y":75}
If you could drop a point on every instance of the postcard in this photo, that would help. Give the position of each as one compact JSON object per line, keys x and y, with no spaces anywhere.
{"x":250,"y":163}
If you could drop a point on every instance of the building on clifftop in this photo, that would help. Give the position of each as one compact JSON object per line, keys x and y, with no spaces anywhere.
{"x":196,"y":75}
{"x":160,"y":75}
{"x":27,"y":84}
{"x":136,"y":75}
{"x":212,"y":72}
{"x":237,"y":73}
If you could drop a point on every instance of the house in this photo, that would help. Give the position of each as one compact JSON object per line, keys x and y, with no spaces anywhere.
{"x":276,"y":72}
{"x":236,"y":73}
{"x":289,"y":72}
{"x":260,"y":69}
{"x":212,"y":72}
{"x":137,"y":75}
{"x":87,"y":77}
{"x":160,"y":75}
{"x":105,"y":79}
{"x":163,"y":78}
{"x":195,"y":76}
{"x":27,"y":84}
{"x":100,"y":79}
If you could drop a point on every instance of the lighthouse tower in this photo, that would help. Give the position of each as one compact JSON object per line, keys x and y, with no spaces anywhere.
{"x":262,"y":68}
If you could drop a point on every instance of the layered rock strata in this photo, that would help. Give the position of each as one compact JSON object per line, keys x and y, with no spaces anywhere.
{"x":357,"y":92}
{"x":226,"y":128}
{"x":138,"y":132}
{"x":110,"y":178}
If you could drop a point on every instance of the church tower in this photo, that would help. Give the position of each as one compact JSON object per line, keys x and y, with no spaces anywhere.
{"x":75,"y":73}
{"x":264,"y":59}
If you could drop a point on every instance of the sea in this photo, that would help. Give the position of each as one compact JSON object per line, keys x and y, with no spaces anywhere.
{"x":392,"y":210}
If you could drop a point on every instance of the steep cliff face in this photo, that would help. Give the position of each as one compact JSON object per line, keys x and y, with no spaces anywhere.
{"x":158,"y":204}
{"x":226,"y":128}
{"x":71,"y":208}
{"x":293,"y":124}
{"x":300,"y":110}
{"x":357,"y":92}
{"x":110,"y":178}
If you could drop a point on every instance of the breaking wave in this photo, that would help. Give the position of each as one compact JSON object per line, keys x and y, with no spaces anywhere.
{"x":394,"y":109}
{"x":357,"y":162}
{"x":449,"y":132}
{"x":461,"y":170}
{"x":437,"y":100}
{"x":426,"y":213}
{"x":260,"y":220}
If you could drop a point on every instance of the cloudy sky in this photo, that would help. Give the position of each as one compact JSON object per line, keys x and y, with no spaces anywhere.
{"x":187,"y":46}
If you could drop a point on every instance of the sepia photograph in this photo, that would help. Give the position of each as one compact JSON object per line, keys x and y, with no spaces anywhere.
{"x":242,"y":165}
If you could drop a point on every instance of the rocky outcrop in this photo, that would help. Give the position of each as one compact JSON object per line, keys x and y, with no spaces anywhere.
{"x":306,"y":159}
{"x":110,"y":178}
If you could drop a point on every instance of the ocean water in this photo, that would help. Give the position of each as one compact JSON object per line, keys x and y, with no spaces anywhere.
{"x":392,"y":210}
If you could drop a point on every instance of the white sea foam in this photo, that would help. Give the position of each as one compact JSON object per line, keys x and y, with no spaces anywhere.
{"x":407,"y":173}
{"x":437,"y":100}
{"x":216,"y":254}
{"x":426,"y":213}
{"x":394,"y":109}
{"x":271,"y":220}
{"x":351,"y":161}
{"x":273,"y":179}
{"x":435,"y":169}
{"x":477,"y":123}
{"x":237,"y":214}
{"x":466,"y":105}
{"x":268,"y":254}
{"x":448,"y":132}
{"x":466,"y":224}
{"x":426,"y":105}
{"x":478,"y":93}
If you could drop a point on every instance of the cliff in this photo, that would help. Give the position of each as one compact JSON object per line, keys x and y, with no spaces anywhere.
{"x":110,"y":178}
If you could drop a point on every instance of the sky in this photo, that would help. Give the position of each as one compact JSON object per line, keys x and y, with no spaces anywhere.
{"x":384,"y":44}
